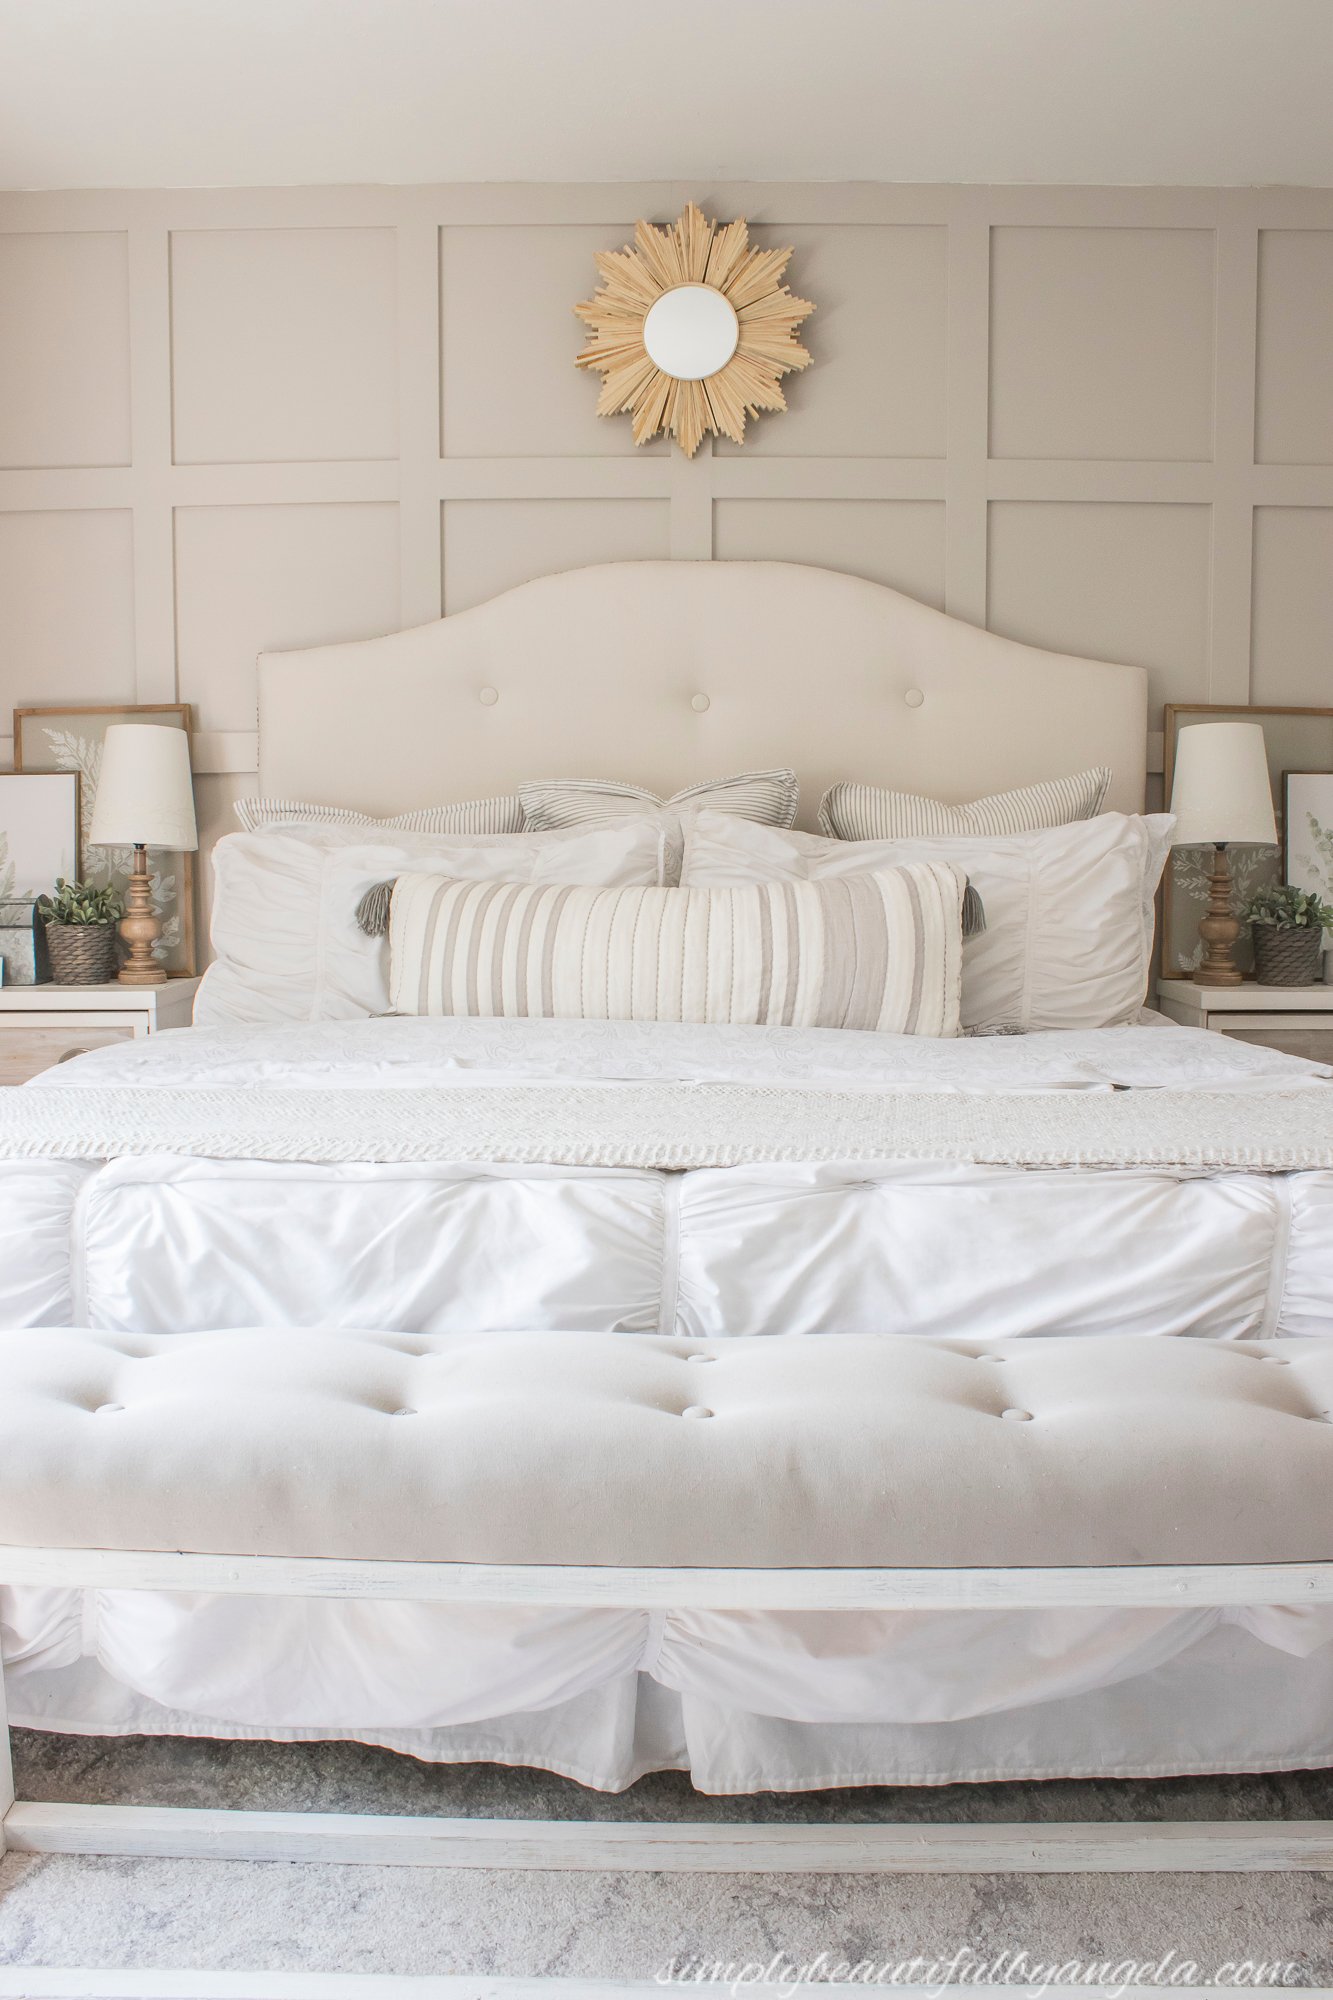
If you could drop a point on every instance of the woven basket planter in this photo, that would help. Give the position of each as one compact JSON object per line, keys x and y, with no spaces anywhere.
{"x":1287,"y":957}
{"x":82,"y":954}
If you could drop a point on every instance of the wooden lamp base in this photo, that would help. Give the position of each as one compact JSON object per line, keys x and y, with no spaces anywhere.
{"x":1219,"y":929}
{"x":140,"y":927}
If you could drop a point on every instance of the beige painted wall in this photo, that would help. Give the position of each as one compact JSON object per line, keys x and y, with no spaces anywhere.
{"x":1096,"y":419}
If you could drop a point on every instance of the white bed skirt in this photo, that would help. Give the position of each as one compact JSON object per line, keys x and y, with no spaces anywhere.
{"x":1228,"y":1704}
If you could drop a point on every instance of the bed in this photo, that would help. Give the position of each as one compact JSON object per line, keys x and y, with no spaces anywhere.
{"x":889,"y":1187}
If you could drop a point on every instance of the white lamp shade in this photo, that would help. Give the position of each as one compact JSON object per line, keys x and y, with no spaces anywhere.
{"x":144,"y":794}
{"x":1221,"y":790}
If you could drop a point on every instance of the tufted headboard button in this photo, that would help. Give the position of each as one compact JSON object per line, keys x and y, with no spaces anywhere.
{"x":700,"y":703}
{"x":1018,"y":1416}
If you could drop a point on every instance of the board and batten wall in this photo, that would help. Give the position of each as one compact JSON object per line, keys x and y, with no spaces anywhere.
{"x":1096,"y":419}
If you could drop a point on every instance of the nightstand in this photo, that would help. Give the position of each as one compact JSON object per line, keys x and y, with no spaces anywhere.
{"x":41,"y":1025}
{"x":1298,"y":1020}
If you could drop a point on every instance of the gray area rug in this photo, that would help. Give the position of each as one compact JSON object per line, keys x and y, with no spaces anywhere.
{"x":278,"y":1916}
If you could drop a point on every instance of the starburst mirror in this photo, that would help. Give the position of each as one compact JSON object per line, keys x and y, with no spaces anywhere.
{"x":692,"y":330}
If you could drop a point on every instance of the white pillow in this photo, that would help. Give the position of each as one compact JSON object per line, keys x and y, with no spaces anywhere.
{"x":287,"y":943}
{"x":871,"y":812}
{"x":503,"y":815}
{"x":1069,"y":911}
{"x":769,"y":797}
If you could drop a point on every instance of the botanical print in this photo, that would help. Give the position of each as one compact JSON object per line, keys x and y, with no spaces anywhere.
{"x":7,"y":884}
{"x":72,"y":740}
{"x":1308,"y":811}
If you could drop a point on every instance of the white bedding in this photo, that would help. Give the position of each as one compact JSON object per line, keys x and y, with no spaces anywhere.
{"x":164,"y":1243}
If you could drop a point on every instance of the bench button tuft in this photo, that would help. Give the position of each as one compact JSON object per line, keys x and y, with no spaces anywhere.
{"x":108,"y":1409}
{"x":696,"y":1410}
{"x":701,"y":1357}
{"x":1019,"y":1416}
{"x":406,"y":1411}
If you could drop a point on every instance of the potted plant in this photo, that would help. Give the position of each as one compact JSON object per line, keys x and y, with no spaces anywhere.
{"x":81,"y":932}
{"x":1287,"y":925}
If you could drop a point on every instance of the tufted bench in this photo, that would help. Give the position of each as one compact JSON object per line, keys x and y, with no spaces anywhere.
{"x":835,"y":1471}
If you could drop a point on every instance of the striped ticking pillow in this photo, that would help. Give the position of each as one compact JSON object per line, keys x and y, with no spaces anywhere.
{"x":503,"y":815}
{"x":880,"y":950}
{"x":870,"y":812}
{"x":767,"y":796}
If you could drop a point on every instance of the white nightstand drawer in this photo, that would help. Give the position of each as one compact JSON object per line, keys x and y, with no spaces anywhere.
{"x":25,"y":1050}
{"x":41,"y":1025}
{"x":1297,"y":1020}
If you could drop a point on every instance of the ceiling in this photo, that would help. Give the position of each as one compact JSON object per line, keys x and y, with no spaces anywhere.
{"x":203,"y":93}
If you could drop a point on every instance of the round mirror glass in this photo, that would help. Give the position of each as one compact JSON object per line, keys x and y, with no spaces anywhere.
{"x":691,"y":332}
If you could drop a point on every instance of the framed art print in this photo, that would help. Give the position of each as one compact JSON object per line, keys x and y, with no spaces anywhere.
{"x":1307,"y":831}
{"x":1294,"y":738}
{"x":39,"y":833}
{"x":70,"y":740}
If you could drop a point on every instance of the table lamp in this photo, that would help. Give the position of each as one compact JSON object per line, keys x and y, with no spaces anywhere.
{"x":1221,"y":795}
{"x":144,"y":799}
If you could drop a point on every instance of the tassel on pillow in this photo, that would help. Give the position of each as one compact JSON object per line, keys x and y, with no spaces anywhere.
{"x":974,"y":912}
{"x":372,"y":912}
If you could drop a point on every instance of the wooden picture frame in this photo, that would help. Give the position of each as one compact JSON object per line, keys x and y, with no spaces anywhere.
{"x":1295,"y":738}
{"x":70,"y":739}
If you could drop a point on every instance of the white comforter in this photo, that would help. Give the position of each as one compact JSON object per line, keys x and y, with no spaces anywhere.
{"x":162,"y":1243}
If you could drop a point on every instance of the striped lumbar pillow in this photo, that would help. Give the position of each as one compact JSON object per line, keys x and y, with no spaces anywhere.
{"x":503,"y":815}
{"x":870,"y":812}
{"x":767,"y":796}
{"x":881,"y":950}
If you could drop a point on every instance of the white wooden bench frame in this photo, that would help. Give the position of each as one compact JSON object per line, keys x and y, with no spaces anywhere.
{"x":1038,"y":1848}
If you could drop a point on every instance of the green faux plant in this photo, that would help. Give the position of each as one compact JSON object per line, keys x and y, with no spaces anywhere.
{"x":81,"y":903}
{"x":1288,"y":909}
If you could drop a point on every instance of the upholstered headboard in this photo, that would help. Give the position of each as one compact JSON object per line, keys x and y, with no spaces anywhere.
{"x":664,"y":673}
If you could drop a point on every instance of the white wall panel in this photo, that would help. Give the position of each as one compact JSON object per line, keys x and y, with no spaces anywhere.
{"x":1294,"y":417}
{"x":66,"y":609}
{"x":898,"y":542}
{"x":1102,"y":343}
{"x":64,"y":349}
{"x":248,"y":578}
{"x":283,"y":345}
{"x":876,"y":386}
{"x":1117,"y":581}
{"x":490,"y":545}
{"x":1293,"y":606}
{"x":508,"y":337}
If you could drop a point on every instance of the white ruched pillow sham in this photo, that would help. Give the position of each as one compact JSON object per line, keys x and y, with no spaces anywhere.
{"x":1069,"y":911}
{"x":881,"y":950}
{"x":287,"y":944}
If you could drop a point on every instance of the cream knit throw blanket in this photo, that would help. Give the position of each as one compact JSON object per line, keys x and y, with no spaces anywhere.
{"x":678,"y":1125}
